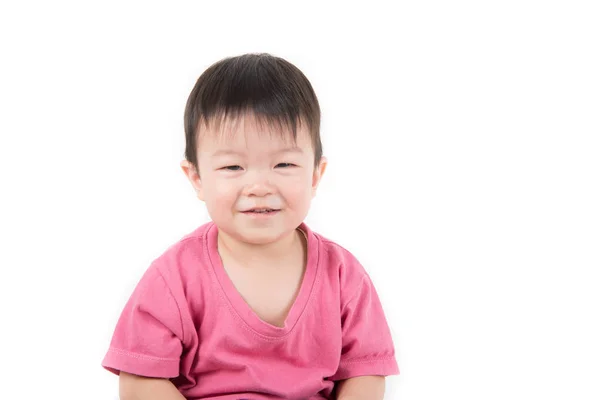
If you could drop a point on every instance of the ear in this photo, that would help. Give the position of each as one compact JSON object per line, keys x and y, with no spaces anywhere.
{"x":194,"y":177}
{"x":318,"y":174}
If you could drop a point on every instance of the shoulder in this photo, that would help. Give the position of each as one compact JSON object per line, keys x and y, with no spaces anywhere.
{"x":341,"y":263}
{"x":335,"y":253}
{"x":185,"y":259}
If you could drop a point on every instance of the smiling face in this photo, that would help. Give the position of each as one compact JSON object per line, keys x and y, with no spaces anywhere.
{"x":257,"y":184}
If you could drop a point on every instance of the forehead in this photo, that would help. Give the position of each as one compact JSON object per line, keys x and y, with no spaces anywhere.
{"x":249,"y":133}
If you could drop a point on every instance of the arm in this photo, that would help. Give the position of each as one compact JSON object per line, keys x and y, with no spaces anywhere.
{"x":148,"y":341}
{"x":134,"y":387}
{"x":368,"y":353}
{"x":361,"y":388}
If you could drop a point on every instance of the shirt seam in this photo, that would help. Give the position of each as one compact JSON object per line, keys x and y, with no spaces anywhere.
{"x":355,"y":294}
{"x":240,"y":319}
{"x":314,"y":284}
{"x":365,"y":361}
{"x":140,"y":356}
{"x":183,"y":333}
{"x":227,"y":301}
{"x":363,"y":272}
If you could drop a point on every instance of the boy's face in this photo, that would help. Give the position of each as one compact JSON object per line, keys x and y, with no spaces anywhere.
{"x":257,"y":185}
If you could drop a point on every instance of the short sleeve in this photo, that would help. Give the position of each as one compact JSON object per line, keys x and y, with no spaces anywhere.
{"x":148,"y":337}
{"x":367,"y":346}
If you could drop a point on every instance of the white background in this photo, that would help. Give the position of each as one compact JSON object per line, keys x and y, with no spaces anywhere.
{"x":463,"y":140}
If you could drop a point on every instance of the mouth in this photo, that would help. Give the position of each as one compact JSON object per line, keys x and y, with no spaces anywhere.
{"x":261,"y":211}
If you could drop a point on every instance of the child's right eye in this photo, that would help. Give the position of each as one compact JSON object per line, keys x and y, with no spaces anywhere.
{"x":232,"y":168}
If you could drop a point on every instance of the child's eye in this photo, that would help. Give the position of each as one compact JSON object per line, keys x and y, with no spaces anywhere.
{"x":284,"y":165}
{"x":232,"y":168}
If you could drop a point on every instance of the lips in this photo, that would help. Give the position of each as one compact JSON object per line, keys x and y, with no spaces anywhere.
{"x":260,"y":210}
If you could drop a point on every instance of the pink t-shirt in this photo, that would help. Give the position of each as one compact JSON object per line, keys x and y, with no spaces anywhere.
{"x":186,"y":321}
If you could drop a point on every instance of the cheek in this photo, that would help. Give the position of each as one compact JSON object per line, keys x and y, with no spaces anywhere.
{"x":220,"y":191}
{"x":298,"y":189}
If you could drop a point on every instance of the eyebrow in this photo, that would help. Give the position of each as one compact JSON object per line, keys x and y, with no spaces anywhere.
{"x":227,"y":152}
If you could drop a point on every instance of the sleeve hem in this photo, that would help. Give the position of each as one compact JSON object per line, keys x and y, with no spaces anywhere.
{"x":117,"y":360}
{"x":381,"y":367}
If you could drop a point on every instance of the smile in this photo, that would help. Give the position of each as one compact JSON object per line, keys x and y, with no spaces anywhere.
{"x":261,"y":211}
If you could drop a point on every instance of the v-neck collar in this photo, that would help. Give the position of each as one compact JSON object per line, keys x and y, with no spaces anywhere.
{"x":239,"y":305}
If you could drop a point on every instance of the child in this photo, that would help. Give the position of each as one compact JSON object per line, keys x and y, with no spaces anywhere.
{"x":253,"y":305}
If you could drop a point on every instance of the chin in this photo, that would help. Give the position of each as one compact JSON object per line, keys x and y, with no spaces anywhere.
{"x":261,"y":236}
{"x":266,"y":236}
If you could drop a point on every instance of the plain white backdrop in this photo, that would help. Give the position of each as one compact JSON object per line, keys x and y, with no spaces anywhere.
{"x":463,"y":140}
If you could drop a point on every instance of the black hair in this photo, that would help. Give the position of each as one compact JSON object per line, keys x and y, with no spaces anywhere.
{"x":269,"y":88}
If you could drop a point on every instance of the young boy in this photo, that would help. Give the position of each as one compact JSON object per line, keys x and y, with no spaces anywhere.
{"x":253,"y":305}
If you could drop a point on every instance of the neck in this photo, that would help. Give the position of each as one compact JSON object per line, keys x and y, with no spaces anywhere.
{"x":250,"y":254}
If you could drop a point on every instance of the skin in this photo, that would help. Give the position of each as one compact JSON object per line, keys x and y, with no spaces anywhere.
{"x":361,"y":388}
{"x":242,"y":166}
{"x":255,"y":168}
{"x":134,"y":387}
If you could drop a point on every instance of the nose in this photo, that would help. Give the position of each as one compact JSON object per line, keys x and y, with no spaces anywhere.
{"x":258,"y":185}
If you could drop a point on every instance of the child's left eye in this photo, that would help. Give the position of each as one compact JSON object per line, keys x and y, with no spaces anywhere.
{"x":284,"y":165}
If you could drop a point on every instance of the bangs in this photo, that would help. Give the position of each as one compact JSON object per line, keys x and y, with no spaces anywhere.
{"x":225,"y":125}
{"x":274,"y":92}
